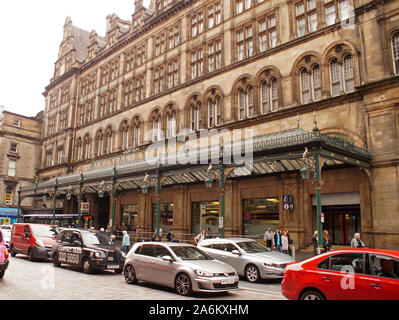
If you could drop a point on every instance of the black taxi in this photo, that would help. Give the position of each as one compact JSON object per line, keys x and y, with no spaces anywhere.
{"x":87,"y":250}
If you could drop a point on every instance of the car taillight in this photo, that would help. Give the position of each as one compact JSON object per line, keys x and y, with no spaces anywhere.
{"x":6,"y":254}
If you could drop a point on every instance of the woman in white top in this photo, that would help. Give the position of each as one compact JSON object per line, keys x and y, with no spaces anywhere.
{"x":284,"y":242}
{"x":199,"y":238}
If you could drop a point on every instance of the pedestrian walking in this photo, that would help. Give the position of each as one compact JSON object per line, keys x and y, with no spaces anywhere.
{"x":277,"y":240}
{"x":315,"y":242}
{"x":327,"y":246}
{"x":112,"y":240}
{"x":170,"y":236}
{"x":357,"y":242}
{"x":139,"y":233}
{"x":200,"y":237}
{"x":284,"y":242}
{"x":208,"y":233}
{"x":268,"y":237}
{"x":125,"y":242}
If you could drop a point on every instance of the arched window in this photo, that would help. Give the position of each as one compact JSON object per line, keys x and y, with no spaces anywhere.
{"x":109,"y":140}
{"x":342,"y":75}
{"x":100,"y":143}
{"x":171,"y":125}
{"x":195,"y":116}
{"x":214,"y":112}
{"x":305,"y":86}
{"x":246,"y":108}
{"x":87,"y":147}
{"x":316,"y":83}
{"x":335,"y":77}
{"x":156,"y":126}
{"x":79,"y":149}
{"x":269,"y":95}
{"x":124,"y":131}
{"x":395,"y":52}
{"x":136,"y":132}
{"x":349,"y":83}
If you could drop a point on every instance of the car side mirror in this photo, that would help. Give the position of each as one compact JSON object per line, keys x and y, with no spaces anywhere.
{"x":238,"y":253}
{"x":167,"y":258}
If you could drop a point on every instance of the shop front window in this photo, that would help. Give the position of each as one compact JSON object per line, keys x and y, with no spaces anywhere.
{"x":166,"y":217}
{"x":259,"y":214}
{"x":205,"y":215}
{"x":129,"y":217}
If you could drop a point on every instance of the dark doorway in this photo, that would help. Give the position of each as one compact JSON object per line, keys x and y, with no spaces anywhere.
{"x":341,"y":222}
{"x":103,"y":212}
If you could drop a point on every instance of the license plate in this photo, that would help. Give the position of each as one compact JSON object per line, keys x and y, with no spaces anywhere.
{"x":228,"y":281}
{"x":113,"y":267}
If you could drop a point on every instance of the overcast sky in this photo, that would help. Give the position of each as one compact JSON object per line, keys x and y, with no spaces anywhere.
{"x":30,"y":35}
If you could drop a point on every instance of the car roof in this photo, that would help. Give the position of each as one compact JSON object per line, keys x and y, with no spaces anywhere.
{"x":76,"y":229}
{"x":167,"y":244}
{"x":236,"y":240}
{"x":367,"y":250}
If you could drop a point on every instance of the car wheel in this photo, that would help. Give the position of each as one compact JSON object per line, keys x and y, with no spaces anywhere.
{"x":252,"y":273}
{"x":183,"y":284}
{"x":13,"y":252}
{"x":86,"y":266}
{"x":30,"y":255}
{"x":130,"y":275}
{"x":56,"y":263}
{"x":2,"y":273}
{"x":312,"y":295}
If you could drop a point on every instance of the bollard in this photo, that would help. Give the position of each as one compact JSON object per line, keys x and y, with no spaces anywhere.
{"x":293,"y":253}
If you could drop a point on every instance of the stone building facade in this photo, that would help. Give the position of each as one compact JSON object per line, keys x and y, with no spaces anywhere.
{"x":231,"y":65}
{"x":20,"y":140}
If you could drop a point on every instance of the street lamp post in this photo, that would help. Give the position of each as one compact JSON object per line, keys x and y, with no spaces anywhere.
{"x":219,"y":174}
{"x":156,"y":183}
{"x":313,"y":166}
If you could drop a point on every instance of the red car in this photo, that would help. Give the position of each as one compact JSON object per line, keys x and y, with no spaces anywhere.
{"x":345,"y":274}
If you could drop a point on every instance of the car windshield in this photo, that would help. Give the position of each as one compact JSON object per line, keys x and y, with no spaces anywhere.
{"x":252,"y":247}
{"x":90,"y":238}
{"x":6,"y":228}
{"x":190,"y":253}
{"x":103,"y":238}
{"x":44,"y":231}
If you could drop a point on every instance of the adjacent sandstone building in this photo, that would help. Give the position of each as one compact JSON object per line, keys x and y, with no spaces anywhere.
{"x":320,"y":74}
{"x":20,"y":142}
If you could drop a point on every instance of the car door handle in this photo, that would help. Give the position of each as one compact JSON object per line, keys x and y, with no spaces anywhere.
{"x":376,"y":285}
{"x":326,"y":278}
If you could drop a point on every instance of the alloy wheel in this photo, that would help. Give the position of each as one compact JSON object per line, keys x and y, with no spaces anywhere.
{"x":183,"y":284}
{"x":130,"y":275}
{"x":252,"y":273}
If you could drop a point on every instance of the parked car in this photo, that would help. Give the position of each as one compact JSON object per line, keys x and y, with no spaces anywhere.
{"x":6,"y":234}
{"x":3,"y":255}
{"x":345,"y":274}
{"x":33,"y":240}
{"x":181,"y":266}
{"x":87,"y":251}
{"x":248,"y":257}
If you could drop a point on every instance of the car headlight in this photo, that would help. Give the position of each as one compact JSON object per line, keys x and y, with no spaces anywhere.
{"x":40,"y":243}
{"x":202,"y":273}
{"x":271,"y":265}
{"x":99,"y":254}
{"x":123,"y":254}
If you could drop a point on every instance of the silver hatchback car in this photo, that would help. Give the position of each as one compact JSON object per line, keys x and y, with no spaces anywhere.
{"x":248,"y":257}
{"x":177,"y":265}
